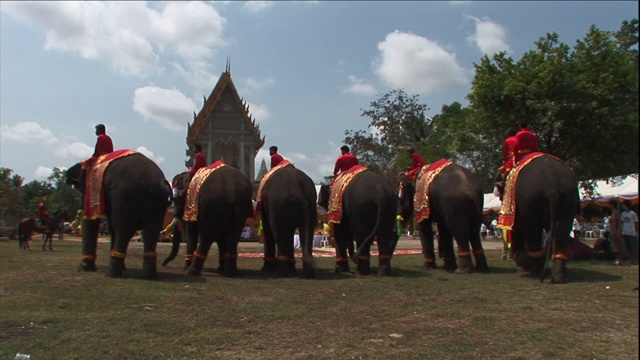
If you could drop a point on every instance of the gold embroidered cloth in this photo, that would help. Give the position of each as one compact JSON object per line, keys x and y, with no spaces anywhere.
{"x":193,"y":191}
{"x":506,"y":216}
{"x":93,"y":206}
{"x":425,"y":177}
{"x":264,"y":180}
{"x":337,"y":190}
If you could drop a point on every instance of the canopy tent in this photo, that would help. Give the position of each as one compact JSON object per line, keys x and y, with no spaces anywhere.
{"x":621,"y":189}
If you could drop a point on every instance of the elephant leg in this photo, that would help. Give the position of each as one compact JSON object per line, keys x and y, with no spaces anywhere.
{"x":446,"y":249}
{"x":120,"y":239}
{"x":89,"y":245}
{"x":200,"y":255}
{"x":465,"y":265}
{"x":269,"y":261}
{"x":559,"y":269}
{"x":285,"y":265}
{"x":150,"y":237}
{"x":426,"y":240}
{"x":481,"y":261}
{"x":341,"y":236}
{"x":363,"y":266}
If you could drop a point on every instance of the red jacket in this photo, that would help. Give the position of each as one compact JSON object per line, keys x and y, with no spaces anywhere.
{"x":104,"y":145}
{"x":526,"y":143}
{"x":198,"y":163}
{"x":276,"y":159}
{"x":344,"y":163}
{"x":508,"y":153}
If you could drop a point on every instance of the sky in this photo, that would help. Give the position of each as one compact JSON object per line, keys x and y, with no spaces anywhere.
{"x":307,"y":70}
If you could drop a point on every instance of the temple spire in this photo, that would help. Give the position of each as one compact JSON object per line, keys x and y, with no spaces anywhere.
{"x":228,"y":68}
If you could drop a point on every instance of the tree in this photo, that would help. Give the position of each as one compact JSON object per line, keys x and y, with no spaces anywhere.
{"x":63,"y":196}
{"x":582,"y":103}
{"x":10,"y":196}
{"x":398,"y":122}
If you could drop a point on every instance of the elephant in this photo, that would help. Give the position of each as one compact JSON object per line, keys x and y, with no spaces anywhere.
{"x":368,"y":212}
{"x":547,"y":198}
{"x":224,"y":202}
{"x":455,"y":207}
{"x":136,"y":196}
{"x":288,"y":202}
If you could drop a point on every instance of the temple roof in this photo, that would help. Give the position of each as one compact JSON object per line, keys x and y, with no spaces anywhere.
{"x":200,"y":119}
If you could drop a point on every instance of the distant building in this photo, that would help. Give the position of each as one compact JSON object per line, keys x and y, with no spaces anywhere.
{"x":225,"y":129}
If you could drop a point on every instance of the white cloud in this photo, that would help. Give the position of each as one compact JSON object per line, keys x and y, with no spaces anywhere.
{"x":359,"y":87}
{"x":260,"y":113}
{"x":148,"y":153}
{"x":42,"y":172}
{"x":77,"y":150}
{"x":255,"y":84}
{"x":27,"y":132}
{"x":167,"y":107}
{"x":490,"y":37}
{"x":129,"y":37}
{"x":417,"y":64}
{"x":257,"y":6}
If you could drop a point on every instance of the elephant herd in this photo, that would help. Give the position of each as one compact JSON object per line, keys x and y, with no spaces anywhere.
{"x":216,"y":206}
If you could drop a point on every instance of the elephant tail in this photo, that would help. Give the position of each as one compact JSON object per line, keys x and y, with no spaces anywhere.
{"x":369,"y":238}
{"x":176,"y":239}
{"x":550,"y":241}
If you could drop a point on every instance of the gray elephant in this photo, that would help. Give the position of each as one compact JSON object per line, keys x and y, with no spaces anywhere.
{"x":546,"y":198}
{"x":216,"y":211}
{"x":136,"y":196}
{"x":455,"y":201}
{"x":288,"y":202}
{"x":368,"y":214}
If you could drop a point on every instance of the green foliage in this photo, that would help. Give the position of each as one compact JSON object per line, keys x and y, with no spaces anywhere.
{"x":581,"y":102}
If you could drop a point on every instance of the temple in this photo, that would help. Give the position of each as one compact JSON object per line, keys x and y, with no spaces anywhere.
{"x":225,"y":128}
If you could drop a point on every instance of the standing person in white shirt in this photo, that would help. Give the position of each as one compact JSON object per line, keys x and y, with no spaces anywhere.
{"x":576,"y":229}
{"x":629,"y":221}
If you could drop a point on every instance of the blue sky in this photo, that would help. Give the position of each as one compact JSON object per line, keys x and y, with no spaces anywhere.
{"x":306,"y":69}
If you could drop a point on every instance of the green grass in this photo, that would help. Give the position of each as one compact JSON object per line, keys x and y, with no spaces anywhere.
{"x":50,"y":311}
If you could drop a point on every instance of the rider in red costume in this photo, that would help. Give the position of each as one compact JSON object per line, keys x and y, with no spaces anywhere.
{"x":104,"y":145}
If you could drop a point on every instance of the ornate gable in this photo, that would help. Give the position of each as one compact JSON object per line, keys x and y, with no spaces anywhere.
{"x":225,"y":128}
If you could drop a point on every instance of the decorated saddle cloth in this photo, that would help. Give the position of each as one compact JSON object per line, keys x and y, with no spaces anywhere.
{"x":337,"y":190}
{"x":508,"y":208}
{"x":266,"y":178}
{"x":421,"y":206}
{"x":193,"y":191}
{"x":93,"y":206}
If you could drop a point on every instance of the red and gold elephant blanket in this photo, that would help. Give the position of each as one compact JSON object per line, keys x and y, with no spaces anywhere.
{"x":93,"y":206}
{"x":337,"y":190}
{"x":425,"y":176}
{"x":191,"y":201}
{"x":263,"y":182}
{"x":506,"y":217}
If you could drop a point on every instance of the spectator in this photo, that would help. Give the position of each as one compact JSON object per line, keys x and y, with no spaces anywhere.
{"x":615,"y":237}
{"x":576,"y":229}
{"x":629,"y":231}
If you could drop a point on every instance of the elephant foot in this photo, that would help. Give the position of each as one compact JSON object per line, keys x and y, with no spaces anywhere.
{"x":450,"y":265}
{"x":384,"y":269}
{"x":230,"y":268}
{"x":308,"y":271}
{"x":559,"y":272}
{"x":363,"y":268}
{"x":481,"y":264}
{"x":430,"y":265}
{"x":149,"y":269}
{"x":285,"y":268}
{"x":187,"y":265}
{"x":342,"y":266}
{"x":465,"y":266}
{"x":268,"y":266}
{"x":87,"y":267}
{"x":196,"y":267}
{"x":116,"y":267}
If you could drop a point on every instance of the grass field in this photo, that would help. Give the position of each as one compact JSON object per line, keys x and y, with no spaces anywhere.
{"x":50,"y":311}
